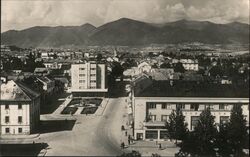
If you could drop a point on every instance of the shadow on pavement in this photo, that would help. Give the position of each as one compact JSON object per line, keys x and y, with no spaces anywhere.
{"x":22,"y":149}
{"x":56,"y":125}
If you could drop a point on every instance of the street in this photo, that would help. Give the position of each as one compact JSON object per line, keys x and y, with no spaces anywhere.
{"x":91,"y":135}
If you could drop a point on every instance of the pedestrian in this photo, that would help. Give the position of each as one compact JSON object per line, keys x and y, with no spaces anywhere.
{"x":160,"y":146}
{"x":122,"y":145}
{"x":126,"y":133}
{"x":129,"y":141}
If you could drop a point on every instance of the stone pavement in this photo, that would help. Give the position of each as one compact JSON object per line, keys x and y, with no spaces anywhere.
{"x":102,"y":107}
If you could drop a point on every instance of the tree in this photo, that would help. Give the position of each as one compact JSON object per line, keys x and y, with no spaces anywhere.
{"x":99,"y":57}
{"x":222,"y":141}
{"x":188,"y":145}
{"x":237,"y":130}
{"x":179,"y":68}
{"x":117,"y":70}
{"x":216,"y":70}
{"x":176,"y":126}
{"x":205,"y":133}
{"x":165,"y":65}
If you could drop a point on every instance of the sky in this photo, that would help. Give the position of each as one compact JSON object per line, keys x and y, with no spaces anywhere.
{"x":21,"y":14}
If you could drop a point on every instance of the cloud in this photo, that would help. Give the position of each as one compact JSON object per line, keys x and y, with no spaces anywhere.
{"x":21,"y":14}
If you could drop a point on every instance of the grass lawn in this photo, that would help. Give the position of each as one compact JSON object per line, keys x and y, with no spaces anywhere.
{"x":69,"y":110}
{"x":89,"y":110}
{"x":96,"y":101}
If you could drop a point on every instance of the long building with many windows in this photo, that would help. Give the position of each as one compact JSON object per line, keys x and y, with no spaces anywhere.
{"x":153,"y":104}
{"x":19,"y":110}
{"x":88,"y":79}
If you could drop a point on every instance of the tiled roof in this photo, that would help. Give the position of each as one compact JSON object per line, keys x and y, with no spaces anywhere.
{"x":194,"y":89}
{"x":15,"y":91}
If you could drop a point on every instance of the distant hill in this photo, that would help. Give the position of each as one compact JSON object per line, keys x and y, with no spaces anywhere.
{"x":129,"y":32}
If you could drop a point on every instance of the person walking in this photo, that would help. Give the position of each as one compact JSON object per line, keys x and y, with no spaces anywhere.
{"x":129,"y":139}
{"x":122,"y":145}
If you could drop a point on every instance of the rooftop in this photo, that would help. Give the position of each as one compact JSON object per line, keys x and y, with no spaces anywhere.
{"x":193,"y":89}
{"x":16,"y":91}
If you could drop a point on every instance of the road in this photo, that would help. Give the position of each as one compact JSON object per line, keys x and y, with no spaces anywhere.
{"x":91,"y":135}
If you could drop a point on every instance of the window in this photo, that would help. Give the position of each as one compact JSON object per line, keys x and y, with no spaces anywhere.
{"x":164,"y":118}
{"x":7,"y":130}
{"x":166,"y":106}
{"x":81,"y":75}
{"x":92,"y":87}
{"x":152,"y":106}
{"x":211,"y":107}
{"x":81,"y":68}
{"x":92,"y":74}
{"x":194,"y":107}
{"x":7,"y":106}
{"x":7,"y":119}
{"x":180,"y":106}
{"x":92,"y":68}
{"x":194,"y":121}
{"x":151,"y":134}
{"x":222,"y":106}
{"x":20,"y":130}
{"x":93,"y":81}
{"x":163,"y":134}
{"x":152,"y":117}
{"x":20,"y":119}
{"x":81,"y":81}
{"x":19,"y":106}
{"x":224,"y":119}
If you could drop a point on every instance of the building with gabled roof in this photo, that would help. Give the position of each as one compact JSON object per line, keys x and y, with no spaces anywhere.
{"x":19,"y":109}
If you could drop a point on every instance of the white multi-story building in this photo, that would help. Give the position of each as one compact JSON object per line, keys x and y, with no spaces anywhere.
{"x":20,"y":109}
{"x":188,"y":64}
{"x":88,"y":79}
{"x":152,"y":106}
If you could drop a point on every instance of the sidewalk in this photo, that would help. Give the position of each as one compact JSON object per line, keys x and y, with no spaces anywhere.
{"x":18,"y":139}
{"x":62,"y":106}
{"x":147,"y":148}
{"x":102,"y":107}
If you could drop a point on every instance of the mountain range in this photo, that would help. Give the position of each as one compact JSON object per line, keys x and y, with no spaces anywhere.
{"x":128,"y":32}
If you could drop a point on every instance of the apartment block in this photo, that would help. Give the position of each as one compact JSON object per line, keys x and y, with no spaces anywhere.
{"x":88,"y":79}
{"x":19,"y":110}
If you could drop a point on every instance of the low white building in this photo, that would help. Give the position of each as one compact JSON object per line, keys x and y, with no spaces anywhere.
{"x":144,"y":67}
{"x":152,"y":106}
{"x":19,"y":110}
{"x":188,"y":64}
{"x":48,"y":84}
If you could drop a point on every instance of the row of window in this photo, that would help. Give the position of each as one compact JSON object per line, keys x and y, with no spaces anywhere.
{"x":194,"y":119}
{"x":7,"y":119}
{"x":82,"y":75}
{"x":182,"y":106}
{"x":83,"y":81}
{"x":7,"y":130}
{"x":84,"y":68}
{"x":20,"y":106}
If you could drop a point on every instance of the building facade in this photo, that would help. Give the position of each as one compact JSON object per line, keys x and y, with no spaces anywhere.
{"x":19,"y":110}
{"x":152,"y":103}
{"x":151,"y":113}
{"x":88,"y":79}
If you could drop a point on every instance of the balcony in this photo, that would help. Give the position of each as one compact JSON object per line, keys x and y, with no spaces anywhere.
{"x":154,"y":123}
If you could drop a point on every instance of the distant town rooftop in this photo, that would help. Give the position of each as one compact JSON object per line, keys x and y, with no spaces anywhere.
{"x":194,"y":89}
